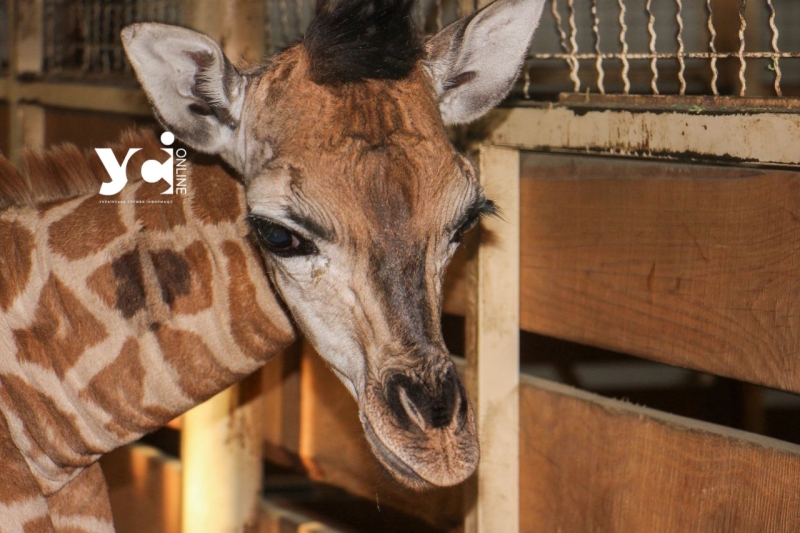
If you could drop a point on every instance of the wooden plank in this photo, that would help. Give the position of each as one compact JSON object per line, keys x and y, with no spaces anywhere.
{"x":593,"y":464}
{"x":695,"y":266}
{"x":730,"y":105}
{"x":221,"y":455}
{"x":758,"y":137}
{"x":281,"y":392}
{"x":29,"y":37}
{"x":492,"y":345}
{"x":128,"y":101}
{"x":32,"y":126}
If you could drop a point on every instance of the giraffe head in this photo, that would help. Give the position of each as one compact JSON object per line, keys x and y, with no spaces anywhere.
{"x":356,"y":195}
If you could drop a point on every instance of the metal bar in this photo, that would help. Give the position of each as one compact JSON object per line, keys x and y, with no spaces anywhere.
{"x":776,"y":61}
{"x":623,"y":29}
{"x":712,"y":37}
{"x":651,"y":22}
{"x":681,"y":62}
{"x":573,"y":34}
{"x":599,"y":62}
{"x":569,"y":55}
{"x":742,"y":62}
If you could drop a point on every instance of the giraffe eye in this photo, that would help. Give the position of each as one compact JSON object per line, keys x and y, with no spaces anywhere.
{"x":279,"y":240}
{"x":470,"y":223}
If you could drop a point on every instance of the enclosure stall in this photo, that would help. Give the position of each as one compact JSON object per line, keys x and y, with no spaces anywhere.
{"x":647,"y":170}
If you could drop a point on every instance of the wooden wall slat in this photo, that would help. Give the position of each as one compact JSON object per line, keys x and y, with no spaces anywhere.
{"x":696,"y":266}
{"x":590,"y":464}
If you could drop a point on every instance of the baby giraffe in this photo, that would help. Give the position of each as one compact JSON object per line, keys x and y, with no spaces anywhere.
{"x":330,"y":200}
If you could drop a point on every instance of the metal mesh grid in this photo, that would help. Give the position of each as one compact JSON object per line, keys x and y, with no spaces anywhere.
{"x":702,"y":47}
{"x":82,"y":36}
{"x":677,"y":47}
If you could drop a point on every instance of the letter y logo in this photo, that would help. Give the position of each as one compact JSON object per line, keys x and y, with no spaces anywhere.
{"x":118,"y":173}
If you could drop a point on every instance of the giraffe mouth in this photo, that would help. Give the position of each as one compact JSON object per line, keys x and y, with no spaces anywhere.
{"x":393,"y":464}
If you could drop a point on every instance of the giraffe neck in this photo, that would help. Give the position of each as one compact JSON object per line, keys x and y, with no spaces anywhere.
{"x":117,"y":317}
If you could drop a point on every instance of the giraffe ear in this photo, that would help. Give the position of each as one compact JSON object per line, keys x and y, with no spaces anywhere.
{"x":195,"y":91}
{"x":475,"y":61}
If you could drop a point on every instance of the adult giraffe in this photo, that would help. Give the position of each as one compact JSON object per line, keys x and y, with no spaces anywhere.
{"x":339,"y":208}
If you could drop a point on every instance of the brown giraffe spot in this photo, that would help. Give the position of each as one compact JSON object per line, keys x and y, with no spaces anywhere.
{"x":103,"y":283}
{"x":40,"y":524}
{"x":90,"y":227}
{"x":16,"y":482}
{"x":86,"y":495}
{"x":254,"y":332}
{"x":172,"y":272}
{"x":16,"y":258}
{"x":61,"y":332}
{"x":130,"y":295}
{"x":185,"y":279}
{"x":51,"y":430}
{"x":156,"y":216}
{"x":216,"y":197}
{"x":119,"y":389}
{"x":199,"y":374}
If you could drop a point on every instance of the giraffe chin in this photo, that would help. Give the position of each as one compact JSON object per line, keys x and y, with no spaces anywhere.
{"x":421,"y":458}
{"x":392,"y":464}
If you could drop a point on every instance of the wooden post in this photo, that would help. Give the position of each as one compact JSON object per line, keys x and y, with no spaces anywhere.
{"x":25,"y":57}
{"x":221,"y":440}
{"x":221,"y":458}
{"x":493,"y":350}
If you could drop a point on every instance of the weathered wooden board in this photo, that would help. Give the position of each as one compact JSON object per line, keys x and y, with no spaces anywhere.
{"x":492,"y":351}
{"x":753,"y":137}
{"x":590,"y":464}
{"x":696,"y":266}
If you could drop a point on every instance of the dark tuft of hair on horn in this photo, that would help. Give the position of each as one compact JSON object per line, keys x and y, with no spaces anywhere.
{"x":357,"y":40}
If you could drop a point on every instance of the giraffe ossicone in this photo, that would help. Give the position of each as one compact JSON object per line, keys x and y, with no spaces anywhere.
{"x":337,"y":208}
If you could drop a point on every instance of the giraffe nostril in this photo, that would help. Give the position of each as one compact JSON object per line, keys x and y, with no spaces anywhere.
{"x":414,"y":404}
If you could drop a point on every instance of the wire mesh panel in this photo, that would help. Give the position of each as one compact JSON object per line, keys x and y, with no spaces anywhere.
{"x":82,"y":36}
{"x":697,"y":47}
{"x":705,"y":47}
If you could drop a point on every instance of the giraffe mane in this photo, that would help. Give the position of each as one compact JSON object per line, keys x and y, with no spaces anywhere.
{"x":65,"y":171}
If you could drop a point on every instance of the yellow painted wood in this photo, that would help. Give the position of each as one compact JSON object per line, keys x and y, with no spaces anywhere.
{"x":221,"y":456}
{"x":493,"y":349}
{"x":758,"y":137}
